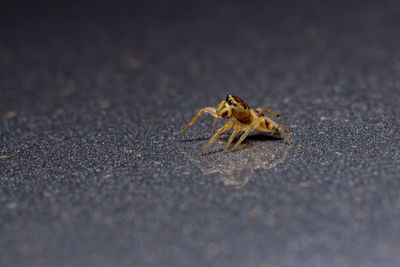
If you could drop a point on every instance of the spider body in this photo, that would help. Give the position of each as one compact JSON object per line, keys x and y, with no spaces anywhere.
{"x":242,"y":119}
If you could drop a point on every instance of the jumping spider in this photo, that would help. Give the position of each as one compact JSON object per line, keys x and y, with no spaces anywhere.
{"x":242,"y":119}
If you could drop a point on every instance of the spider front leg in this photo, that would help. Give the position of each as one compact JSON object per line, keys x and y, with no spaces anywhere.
{"x":221,"y":109}
{"x":216,"y":135}
{"x":213,"y":125}
{"x":249,"y":129}
{"x":276,"y":115}
{"x":211,"y":110}
{"x":235,"y":132}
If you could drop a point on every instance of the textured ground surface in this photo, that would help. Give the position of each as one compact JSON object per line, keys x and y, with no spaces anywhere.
{"x":93,"y":172}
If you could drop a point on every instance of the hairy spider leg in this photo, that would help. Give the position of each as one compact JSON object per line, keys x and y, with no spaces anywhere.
{"x":276,"y":115}
{"x":248,"y":130}
{"x":280,"y":129}
{"x":225,"y":127}
{"x":211,"y":110}
{"x":213,"y":125}
{"x":235,"y":132}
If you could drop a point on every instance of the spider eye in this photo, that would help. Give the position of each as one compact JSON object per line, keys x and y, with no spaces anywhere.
{"x":227,"y":98}
{"x":244,"y":106}
{"x":230,"y":102}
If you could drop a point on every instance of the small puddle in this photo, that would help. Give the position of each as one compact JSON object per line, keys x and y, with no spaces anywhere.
{"x":237,"y":168}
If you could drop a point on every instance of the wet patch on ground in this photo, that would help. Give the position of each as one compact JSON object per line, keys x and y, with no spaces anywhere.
{"x":237,"y":168}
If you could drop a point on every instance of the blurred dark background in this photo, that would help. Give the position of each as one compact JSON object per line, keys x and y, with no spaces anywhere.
{"x":93,"y":95}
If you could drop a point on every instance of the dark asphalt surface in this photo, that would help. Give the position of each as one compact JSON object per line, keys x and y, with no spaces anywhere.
{"x":92,"y":99}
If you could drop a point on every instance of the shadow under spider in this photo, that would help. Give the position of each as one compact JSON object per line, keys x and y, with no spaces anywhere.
{"x":245,"y":144}
{"x":225,"y":137}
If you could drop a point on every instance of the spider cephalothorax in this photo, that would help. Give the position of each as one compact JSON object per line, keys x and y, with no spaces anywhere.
{"x":234,"y":106}
{"x":242,"y":118}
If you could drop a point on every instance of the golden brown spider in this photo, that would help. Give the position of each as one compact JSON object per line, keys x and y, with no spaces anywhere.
{"x":242,"y":118}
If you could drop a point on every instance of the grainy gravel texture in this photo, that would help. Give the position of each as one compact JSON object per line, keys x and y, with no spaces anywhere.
{"x":92,"y":99}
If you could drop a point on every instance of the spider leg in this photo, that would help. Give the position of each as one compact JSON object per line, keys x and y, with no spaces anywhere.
{"x":211,"y":110}
{"x":225,"y":127}
{"x":249,"y":129}
{"x":284,"y":135}
{"x":237,"y":130}
{"x":276,"y":115}
{"x":213,"y":125}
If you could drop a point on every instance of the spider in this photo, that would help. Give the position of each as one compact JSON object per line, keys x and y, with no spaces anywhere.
{"x":242,"y":119}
